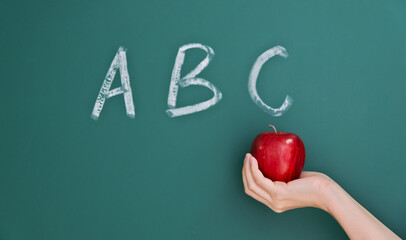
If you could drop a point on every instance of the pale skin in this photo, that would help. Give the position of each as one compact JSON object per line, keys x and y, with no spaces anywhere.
{"x":314,"y":189}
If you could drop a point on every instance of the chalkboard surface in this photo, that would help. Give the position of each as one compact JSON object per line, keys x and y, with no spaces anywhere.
{"x":64,"y":175}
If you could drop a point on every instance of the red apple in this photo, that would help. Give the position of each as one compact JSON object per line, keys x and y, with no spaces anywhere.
{"x":280,"y":155}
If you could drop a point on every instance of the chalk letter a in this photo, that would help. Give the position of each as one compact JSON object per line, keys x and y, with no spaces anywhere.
{"x":190,"y":79}
{"x":119,"y":62}
{"x":252,"y":81}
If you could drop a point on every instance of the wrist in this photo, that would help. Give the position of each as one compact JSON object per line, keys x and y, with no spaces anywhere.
{"x":329,"y":192}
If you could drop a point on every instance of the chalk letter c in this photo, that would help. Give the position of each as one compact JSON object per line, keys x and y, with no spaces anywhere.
{"x":252,"y":81}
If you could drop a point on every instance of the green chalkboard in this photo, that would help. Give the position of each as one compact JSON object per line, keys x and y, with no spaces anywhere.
{"x":64,"y":175}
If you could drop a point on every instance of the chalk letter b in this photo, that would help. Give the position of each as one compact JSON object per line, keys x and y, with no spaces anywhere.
{"x":190,"y":79}
{"x":119,"y":62}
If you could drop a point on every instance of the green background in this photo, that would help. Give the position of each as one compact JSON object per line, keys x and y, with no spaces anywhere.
{"x":65,"y":176}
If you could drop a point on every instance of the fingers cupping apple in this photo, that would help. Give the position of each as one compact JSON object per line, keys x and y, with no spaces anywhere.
{"x":281,"y":196}
{"x":261,"y":188}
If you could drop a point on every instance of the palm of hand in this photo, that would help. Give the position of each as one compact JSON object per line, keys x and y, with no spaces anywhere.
{"x":307,"y":191}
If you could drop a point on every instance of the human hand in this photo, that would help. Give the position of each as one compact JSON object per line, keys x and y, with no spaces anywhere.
{"x":308,"y":190}
{"x":313,"y":189}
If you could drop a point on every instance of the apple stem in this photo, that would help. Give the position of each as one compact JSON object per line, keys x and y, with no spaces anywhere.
{"x":272,"y":126}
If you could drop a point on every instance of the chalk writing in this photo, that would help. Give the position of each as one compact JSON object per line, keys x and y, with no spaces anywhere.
{"x":119,"y":62}
{"x":252,"y":81}
{"x":190,"y":79}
